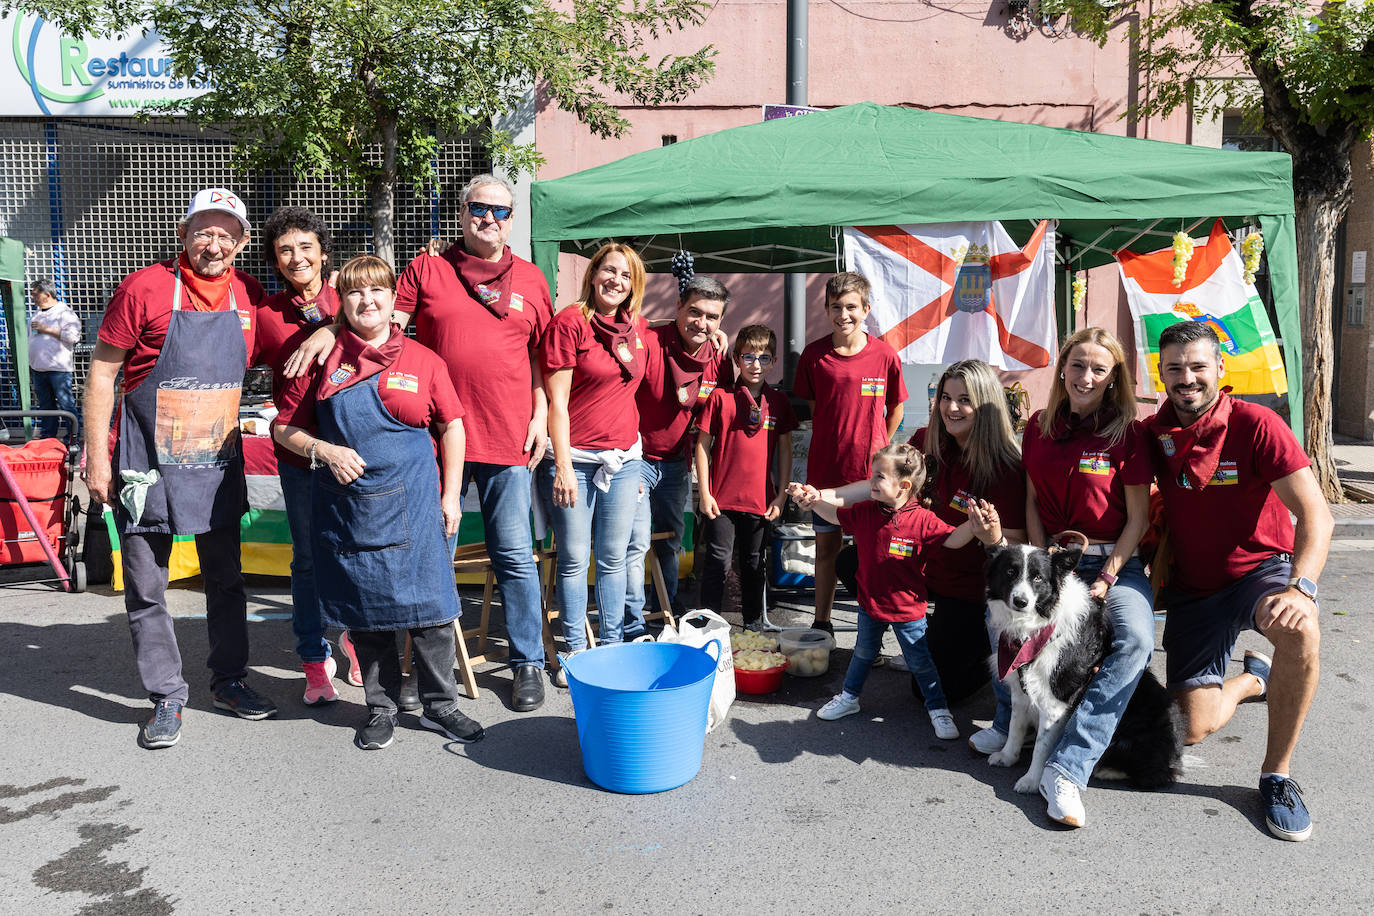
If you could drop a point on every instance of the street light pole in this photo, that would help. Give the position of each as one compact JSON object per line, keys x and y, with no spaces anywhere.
{"x":794,"y":289}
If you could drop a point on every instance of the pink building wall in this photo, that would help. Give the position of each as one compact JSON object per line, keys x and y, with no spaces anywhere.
{"x":958,"y":59}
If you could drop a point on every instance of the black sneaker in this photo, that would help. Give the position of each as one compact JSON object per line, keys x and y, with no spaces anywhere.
{"x":409,"y":697}
{"x":455,"y":725}
{"x":243,"y":701}
{"x":164,"y":728}
{"x":824,"y":626}
{"x":377,"y":733}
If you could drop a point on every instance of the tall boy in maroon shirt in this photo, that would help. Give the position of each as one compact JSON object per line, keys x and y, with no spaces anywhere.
{"x":853,"y":383}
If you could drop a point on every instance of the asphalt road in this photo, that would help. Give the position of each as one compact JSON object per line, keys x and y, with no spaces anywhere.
{"x":788,"y":814}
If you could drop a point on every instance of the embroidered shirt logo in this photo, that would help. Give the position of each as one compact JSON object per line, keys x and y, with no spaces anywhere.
{"x":341,"y":374}
{"x":487,"y":294}
{"x":311,"y":313}
{"x":960,"y":500}
{"x":517,"y":302}
{"x":1226,"y":475}
{"x":684,"y":394}
{"x":402,"y":381}
{"x":622,"y":350}
{"x":1166,"y":442}
{"x":873,"y":387}
{"x":705,"y":390}
{"x":1099,"y":463}
{"x":901,"y":547}
{"x":245,"y":320}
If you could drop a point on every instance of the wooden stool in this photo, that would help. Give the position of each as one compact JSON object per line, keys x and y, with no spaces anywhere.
{"x":665,"y":606}
{"x":547,"y":557}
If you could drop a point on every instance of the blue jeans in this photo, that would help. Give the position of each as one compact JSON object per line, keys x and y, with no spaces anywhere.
{"x":1131,"y":616}
{"x":667,"y":485}
{"x":911,"y":637}
{"x":53,"y":391}
{"x":1089,"y":730}
{"x":503,"y":492}
{"x":599,"y":522}
{"x":311,"y":645}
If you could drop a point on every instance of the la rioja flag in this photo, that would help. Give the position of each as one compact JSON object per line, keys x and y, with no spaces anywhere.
{"x":1214,"y":292}
{"x":943,"y":292}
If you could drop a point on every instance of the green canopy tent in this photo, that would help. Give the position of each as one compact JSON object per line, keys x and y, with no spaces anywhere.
{"x":771,"y":196}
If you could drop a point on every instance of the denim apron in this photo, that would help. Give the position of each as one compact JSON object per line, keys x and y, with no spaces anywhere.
{"x":381,"y":559}
{"x":182,"y":421}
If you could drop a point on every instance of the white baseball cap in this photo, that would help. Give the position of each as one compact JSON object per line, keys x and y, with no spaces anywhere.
{"x":221,"y":199}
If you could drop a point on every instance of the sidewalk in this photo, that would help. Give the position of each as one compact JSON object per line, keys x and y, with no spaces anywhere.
{"x":1355,"y":465}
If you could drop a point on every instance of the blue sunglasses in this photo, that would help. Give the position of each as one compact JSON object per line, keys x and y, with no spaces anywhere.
{"x":480,"y":210}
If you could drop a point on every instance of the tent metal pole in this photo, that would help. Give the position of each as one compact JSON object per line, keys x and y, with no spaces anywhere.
{"x":794,"y":286}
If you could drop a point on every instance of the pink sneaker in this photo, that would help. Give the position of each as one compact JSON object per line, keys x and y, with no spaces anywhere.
{"x":319,"y":684}
{"x":355,"y":671}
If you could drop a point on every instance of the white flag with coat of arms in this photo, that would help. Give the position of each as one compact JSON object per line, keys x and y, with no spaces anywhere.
{"x":943,"y":292}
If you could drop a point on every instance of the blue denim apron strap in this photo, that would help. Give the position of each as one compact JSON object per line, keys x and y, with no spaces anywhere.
{"x":380,"y":554}
{"x":182,"y":421}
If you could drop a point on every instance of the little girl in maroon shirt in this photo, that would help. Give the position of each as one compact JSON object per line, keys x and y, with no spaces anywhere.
{"x":893,"y":534}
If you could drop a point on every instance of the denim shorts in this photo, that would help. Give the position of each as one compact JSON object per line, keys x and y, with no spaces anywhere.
{"x":821,"y":526}
{"x":1200,"y":631}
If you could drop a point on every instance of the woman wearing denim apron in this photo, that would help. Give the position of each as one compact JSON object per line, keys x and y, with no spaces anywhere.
{"x":379,"y":519}
{"x":1088,"y":471}
{"x":594,"y":358}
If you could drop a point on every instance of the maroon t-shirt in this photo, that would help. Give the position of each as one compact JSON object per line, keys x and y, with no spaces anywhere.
{"x":853,"y":395}
{"x":140,"y":310}
{"x":959,"y":573}
{"x":414,"y":388}
{"x":1237,"y":521}
{"x":488,"y":358}
{"x":601,"y":405}
{"x":284,"y":321}
{"x":894,"y":547}
{"x":665,"y":419}
{"x":741,"y":464}
{"x":1080,"y":479}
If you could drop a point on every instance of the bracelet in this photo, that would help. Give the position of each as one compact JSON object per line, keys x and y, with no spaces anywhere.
{"x":1107,"y":577}
{"x":314,"y":462}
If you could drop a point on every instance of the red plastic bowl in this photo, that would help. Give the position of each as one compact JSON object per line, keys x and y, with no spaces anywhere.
{"x":765,"y":680}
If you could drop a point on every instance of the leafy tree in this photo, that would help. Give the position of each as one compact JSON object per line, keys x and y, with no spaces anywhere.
{"x":1310,"y":86}
{"x":320,"y":86}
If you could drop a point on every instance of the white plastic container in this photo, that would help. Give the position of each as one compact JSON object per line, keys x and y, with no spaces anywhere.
{"x":807,"y":651}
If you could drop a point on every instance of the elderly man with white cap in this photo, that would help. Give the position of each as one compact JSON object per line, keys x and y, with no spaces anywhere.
{"x":181,"y":330}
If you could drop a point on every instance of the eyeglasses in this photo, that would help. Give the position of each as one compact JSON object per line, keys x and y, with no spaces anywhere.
{"x":213,"y":238}
{"x":760,"y":359}
{"x":500,"y":214}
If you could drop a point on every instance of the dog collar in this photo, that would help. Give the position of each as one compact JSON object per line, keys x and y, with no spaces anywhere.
{"x":1012,"y":655}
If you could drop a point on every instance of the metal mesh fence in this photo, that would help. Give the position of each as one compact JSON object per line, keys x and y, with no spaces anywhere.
{"x":93,"y":200}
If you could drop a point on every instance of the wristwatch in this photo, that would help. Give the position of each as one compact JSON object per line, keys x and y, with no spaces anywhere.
{"x":1304,"y":585}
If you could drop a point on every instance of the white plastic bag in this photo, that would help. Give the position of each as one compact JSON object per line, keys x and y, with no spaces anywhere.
{"x":717,"y":630}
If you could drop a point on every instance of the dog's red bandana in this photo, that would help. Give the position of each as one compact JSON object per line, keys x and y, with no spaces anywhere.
{"x":1012,"y":655}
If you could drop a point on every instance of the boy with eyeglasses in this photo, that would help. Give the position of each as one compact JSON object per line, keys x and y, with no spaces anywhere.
{"x":745,"y":430}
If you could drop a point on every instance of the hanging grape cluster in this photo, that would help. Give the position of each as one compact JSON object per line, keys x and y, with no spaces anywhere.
{"x":681,"y":266}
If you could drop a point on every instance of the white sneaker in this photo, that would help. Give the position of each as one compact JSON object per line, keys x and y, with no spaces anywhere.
{"x":943,"y":720}
{"x":560,"y":677}
{"x":839,"y":707}
{"x":987,"y":741}
{"x":1065,"y":802}
{"x":897,"y":663}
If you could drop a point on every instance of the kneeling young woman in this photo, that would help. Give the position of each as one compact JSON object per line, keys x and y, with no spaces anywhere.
{"x":370,"y":421}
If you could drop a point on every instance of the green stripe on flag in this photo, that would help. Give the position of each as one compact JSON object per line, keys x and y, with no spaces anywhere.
{"x":1248,"y":327}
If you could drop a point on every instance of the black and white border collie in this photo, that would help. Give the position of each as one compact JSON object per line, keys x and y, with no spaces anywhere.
{"x":1051,"y":636}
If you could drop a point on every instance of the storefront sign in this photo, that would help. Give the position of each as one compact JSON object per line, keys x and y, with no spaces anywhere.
{"x":47,"y":72}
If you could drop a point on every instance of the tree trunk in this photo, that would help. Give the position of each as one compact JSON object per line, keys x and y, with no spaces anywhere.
{"x":382,"y":195}
{"x":1318,"y":217}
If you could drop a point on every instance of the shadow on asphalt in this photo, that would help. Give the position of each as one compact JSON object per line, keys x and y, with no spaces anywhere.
{"x":542,"y":747}
{"x":89,"y":668}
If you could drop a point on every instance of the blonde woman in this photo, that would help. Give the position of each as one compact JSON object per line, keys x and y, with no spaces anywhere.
{"x":593,"y":358}
{"x":1088,"y":470}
